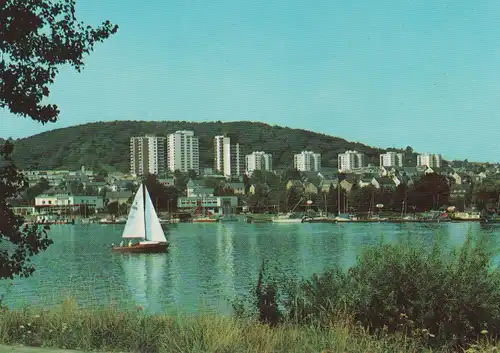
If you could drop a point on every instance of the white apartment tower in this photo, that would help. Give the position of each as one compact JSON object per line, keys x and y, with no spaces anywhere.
{"x":228,"y":158}
{"x":147,"y":155}
{"x":183,"y":152}
{"x":350,"y":160}
{"x":307,"y":161}
{"x":430,"y":160}
{"x":259,"y":161}
{"x":391,"y":159}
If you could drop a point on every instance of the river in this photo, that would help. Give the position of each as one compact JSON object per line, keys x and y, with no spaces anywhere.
{"x":207,"y":265}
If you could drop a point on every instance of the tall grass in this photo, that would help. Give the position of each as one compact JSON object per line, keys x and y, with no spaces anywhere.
{"x":110,"y":329}
{"x":405,"y":297}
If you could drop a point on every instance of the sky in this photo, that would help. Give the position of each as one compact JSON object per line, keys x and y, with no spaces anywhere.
{"x":385,"y":73}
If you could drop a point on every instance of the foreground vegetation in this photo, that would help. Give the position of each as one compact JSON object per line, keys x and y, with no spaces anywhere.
{"x":405,"y":297}
{"x":113,"y":330}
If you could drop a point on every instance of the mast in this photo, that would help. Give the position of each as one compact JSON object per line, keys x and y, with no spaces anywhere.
{"x":144,"y":190}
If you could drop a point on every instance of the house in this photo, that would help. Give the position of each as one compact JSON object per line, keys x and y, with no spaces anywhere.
{"x":310,"y":188}
{"x":386,"y":183}
{"x":198,"y":189}
{"x":98,"y":185}
{"x":294,"y":183}
{"x":167,"y":181}
{"x":366,"y":180}
{"x":429,"y":170}
{"x":326,"y":183}
{"x":459,"y":191}
{"x":346,"y":185}
{"x":215,"y":204}
{"x":57,"y":202}
{"x":254,"y":187}
{"x":238,"y":188}
{"x":121,"y":197}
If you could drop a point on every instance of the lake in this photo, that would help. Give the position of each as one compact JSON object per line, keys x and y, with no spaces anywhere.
{"x":207,"y":264}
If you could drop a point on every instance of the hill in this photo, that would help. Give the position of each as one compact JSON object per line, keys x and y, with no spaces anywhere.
{"x":106,"y":144}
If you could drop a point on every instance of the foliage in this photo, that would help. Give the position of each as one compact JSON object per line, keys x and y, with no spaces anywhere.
{"x":36,"y":38}
{"x":19,"y":242}
{"x":442,"y":298}
{"x":82,"y":145}
{"x":163,"y":197}
{"x":35,"y":190}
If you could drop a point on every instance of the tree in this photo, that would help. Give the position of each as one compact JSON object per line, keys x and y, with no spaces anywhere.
{"x":26,"y":240}
{"x":37,"y":37}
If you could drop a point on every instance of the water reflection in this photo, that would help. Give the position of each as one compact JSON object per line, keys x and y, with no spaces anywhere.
{"x":207,"y":264}
{"x":146,"y":276}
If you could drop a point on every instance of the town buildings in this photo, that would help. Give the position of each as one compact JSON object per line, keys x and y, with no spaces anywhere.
{"x":350,"y":160}
{"x":183,"y":152}
{"x":228,"y":158}
{"x":258,"y":161}
{"x":391,"y":159}
{"x":430,"y":160}
{"x":147,"y":155}
{"x":307,"y":161}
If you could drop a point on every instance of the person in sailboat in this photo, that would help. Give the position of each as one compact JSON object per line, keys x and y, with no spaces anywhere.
{"x":130,"y":243}
{"x":121,"y":243}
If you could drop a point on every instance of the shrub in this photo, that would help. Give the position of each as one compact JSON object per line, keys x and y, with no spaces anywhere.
{"x":440,"y":297}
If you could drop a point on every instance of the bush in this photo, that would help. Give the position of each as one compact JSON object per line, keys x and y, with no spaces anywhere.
{"x":442,"y":298}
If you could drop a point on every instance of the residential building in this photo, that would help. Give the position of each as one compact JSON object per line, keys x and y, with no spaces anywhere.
{"x":228,"y":158}
{"x":307,"y":161}
{"x":58,"y":202}
{"x":258,"y":161}
{"x":198,"y":189}
{"x":430,"y":160}
{"x":391,"y":159}
{"x":215,"y":204}
{"x":183,"y":152}
{"x":350,"y":160}
{"x":147,"y":155}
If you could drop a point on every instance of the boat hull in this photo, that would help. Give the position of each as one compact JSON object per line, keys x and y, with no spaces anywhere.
{"x":143,"y":248}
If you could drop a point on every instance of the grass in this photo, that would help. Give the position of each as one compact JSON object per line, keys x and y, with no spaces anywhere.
{"x":404,"y":297}
{"x":112,"y":330}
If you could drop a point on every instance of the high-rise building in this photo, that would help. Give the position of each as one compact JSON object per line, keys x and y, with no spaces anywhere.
{"x":307,"y":161}
{"x":391,"y":159}
{"x":350,"y":160}
{"x":147,"y":155}
{"x":228,"y":159}
{"x":258,"y":161}
{"x":183,"y":152}
{"x":430,"y":160}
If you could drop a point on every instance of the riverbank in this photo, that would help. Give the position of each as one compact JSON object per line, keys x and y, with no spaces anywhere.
{"x":111,"y":330}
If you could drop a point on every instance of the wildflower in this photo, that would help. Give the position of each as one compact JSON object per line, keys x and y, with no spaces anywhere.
{"x":21,"y":327}
{"x":403,"y":315}
{"x":37,"y":316}
{"x":425,"y":330}
{"x":484,"y":332}
{"x":431,"y":335}
{"x":29,"y":332}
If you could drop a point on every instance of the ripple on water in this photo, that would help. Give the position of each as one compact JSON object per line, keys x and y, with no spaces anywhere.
{"x":207,"y":265}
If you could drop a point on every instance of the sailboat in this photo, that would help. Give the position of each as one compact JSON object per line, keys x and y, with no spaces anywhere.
{"x":143,"y":223}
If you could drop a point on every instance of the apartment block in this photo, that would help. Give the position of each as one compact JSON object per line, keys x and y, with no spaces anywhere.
{"x":147,"y":155}
{"x":430,"y":160}
{"x":258,"y":161}
{"x":183,"y":152}
{"x":228,"y":158}
{"x":391,"y":159}
{"x":351,"y":160}
{"x":307,"y":161}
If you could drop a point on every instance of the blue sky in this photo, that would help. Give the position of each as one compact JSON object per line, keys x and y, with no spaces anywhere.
{"x":385,"y":73}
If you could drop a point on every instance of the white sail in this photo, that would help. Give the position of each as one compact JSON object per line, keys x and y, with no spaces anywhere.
{"x":154,"y":231}
{"x":134,"y":228}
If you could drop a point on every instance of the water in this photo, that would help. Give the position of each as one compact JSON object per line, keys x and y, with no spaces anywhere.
{"x":207,"y":264}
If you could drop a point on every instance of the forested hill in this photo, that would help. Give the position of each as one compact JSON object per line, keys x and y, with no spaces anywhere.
{"x":106,"y":144}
